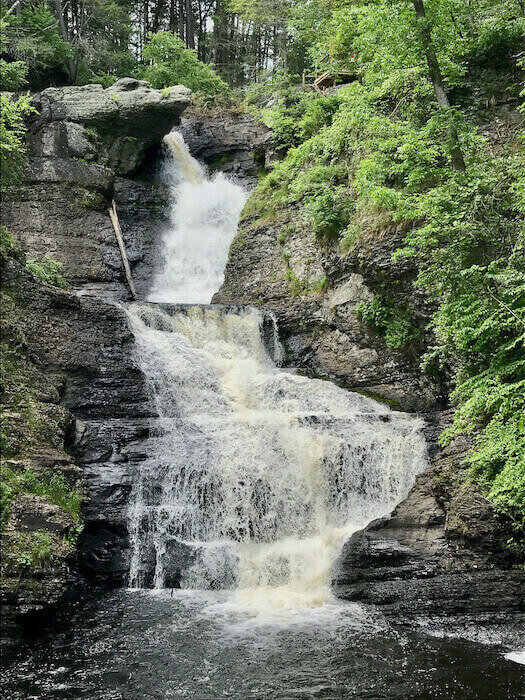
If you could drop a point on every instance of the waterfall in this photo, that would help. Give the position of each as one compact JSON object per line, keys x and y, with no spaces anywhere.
{"x":255,"y":475}
{"x":204,"y":217}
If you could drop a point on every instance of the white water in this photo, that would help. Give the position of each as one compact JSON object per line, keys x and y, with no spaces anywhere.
{"x":204,"y":218}
{"x":255,"y":475}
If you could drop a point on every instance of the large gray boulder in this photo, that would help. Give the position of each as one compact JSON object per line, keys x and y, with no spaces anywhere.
{"x":84,"y":145}
{"x":114,"y":125}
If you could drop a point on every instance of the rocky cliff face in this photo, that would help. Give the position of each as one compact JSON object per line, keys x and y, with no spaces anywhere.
{"x":275,"y":261}
{"x":232,"y":142}
{"x":84,"y":144}
{"x":88,"y":146}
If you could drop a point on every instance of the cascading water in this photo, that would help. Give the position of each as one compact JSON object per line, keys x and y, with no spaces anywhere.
{"x":204,"y":218}
{"x":255,"y":474}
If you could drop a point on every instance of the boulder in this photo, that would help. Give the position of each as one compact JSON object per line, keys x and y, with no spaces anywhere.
{"x":125,"y":119}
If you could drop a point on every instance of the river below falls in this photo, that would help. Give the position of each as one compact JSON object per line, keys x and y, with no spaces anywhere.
{"x":198,"y":645}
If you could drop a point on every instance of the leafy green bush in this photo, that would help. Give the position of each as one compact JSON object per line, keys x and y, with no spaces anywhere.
{"x":33,"y":36}
{"x":47,"y":270}
{"x":327,"y":212}
{"x":171,"y":63}
{"x":386,"y":151}
{"x":52,"y":486}
{"x":393,"y":324}
{"x":12,"y":137}
{"x":55,"y":488}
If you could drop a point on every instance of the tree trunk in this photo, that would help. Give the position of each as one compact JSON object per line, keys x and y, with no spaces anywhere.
{"x":436,"y":77}
{"x":157,"y":14}
{"x":181,"y":19}
{"x":190,"y":31}
{"x":173,"y":16}
{"x":146,"y":19}
{"x":71,"y":63}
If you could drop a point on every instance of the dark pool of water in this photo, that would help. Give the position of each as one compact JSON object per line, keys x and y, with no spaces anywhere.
{"x":198,"y":646}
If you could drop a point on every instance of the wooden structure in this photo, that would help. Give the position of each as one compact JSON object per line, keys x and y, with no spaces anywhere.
{"x":321,"y":81}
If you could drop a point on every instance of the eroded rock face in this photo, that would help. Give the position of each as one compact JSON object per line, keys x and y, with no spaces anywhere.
{"x":234,"y":143}
{"x":91,"y":406}
{"x":114,"y":125}
{"x":82,"y":141}
{"x":276,"y":261}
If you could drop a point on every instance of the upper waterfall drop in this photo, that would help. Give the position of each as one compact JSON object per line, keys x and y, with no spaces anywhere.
{"x":204,"y":216}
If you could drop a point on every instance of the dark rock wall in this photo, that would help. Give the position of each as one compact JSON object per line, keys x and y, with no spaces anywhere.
{"x":85,"y":146}
{"x":88,"y":146}
{"x":231,"y":142}
{"x":441,"y":552}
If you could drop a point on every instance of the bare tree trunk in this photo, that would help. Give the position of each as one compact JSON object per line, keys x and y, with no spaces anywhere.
{"x":181,"y":19}
{"x":146,"y":18}
{"x":157,"y":14}
{"x":173,"y":16}
{"x":71,"y":62}
{"x":190,"y":29}
{"x":284,"y":46}
{"x":458,"y":163}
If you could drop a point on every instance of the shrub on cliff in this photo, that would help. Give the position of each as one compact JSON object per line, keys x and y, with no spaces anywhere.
{"x":169,"y":62}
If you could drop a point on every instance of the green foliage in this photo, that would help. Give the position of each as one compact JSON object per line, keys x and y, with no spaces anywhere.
{"x":7,"y":496}
{"x":171,"y":63}
{"x":393,"y":324}
{"x":327,"y":212}
{"x":296,"y":115}
{"x":33,"y":37}
{"x":31,"y":549}
{"x":47,"y":270}
{"x":12,"y":137}
{"x":51,"y":485}
{"x":7,"y":242}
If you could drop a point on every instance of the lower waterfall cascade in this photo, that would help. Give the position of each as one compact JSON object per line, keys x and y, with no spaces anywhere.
{"x":256,"y":474}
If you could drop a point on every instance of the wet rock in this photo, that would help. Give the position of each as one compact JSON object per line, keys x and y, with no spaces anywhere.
{"x":441,"y":552}
{"x":234,"y":143}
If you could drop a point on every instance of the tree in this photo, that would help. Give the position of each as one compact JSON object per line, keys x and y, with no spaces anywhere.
{"x":458,"y":162}
{"x":170,"y":63}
